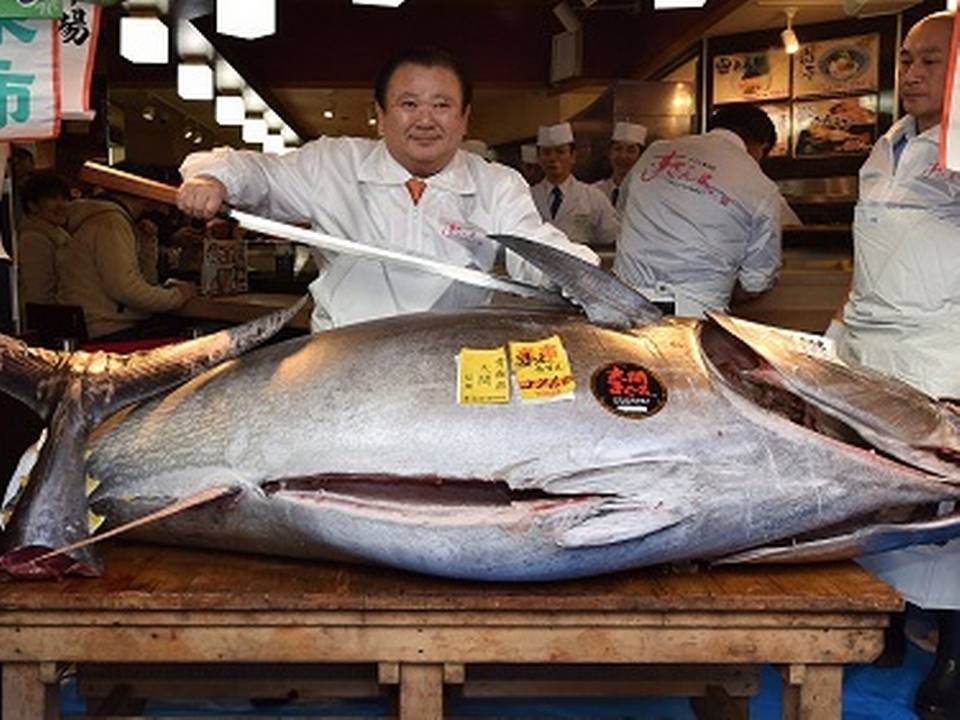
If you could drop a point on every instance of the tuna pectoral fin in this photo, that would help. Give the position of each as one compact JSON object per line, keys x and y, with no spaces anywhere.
{"x":618,"y":522}
{"x":604,"y":297}
{"x":864,"y":541}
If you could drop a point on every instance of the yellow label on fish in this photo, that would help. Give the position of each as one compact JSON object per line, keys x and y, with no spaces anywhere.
{"x":542,"y":370}
{"x":482,"y":377}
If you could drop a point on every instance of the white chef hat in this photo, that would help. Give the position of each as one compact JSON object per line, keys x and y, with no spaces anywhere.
{"x":477,"y":147}
{"x":629,"y":133}
{"x":528,"y":154}
{"x":553,"y":135}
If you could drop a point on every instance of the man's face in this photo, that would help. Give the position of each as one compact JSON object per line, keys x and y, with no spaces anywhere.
{"x":623,"y":156}
{"x":556,"y":161}
{"x":923,"y":70}
{"x":53,"y":209}
{"x":424,"y":121}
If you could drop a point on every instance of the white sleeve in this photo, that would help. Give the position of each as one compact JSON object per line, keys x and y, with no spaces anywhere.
{"x":282,"y":187}
{"x":517,"y":215}
{"x":608,"y":224}
{"x":763,"y":256}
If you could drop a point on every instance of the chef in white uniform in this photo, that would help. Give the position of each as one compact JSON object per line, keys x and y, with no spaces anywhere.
{"x":401,"y":192}
{"x":626,"y":146}
{"x":903,"y":314}
{"x":579,"y":209}
{"x":700,"y":215}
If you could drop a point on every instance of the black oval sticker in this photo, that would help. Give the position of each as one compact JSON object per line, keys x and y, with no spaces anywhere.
{"x":629,"y":390}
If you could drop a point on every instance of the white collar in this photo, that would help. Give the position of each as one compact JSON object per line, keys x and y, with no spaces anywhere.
{"x":381,"y":168}
{"x":729,"y":136}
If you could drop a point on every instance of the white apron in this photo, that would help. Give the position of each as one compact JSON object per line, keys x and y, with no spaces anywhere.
{"x":903,"y":319}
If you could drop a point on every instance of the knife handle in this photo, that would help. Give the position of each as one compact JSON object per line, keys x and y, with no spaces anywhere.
{"x":119,"y":181}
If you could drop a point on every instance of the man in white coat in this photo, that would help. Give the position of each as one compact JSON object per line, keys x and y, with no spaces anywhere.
{"x":399,"y":192}
{"x":580,"y":210}
{"x":626,"y":146}
{"x":700,"y":216}
{"x":903,"y":314}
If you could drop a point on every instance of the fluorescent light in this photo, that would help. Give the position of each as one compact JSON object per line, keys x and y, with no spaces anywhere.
{"x":254,"y":130}
{"x":227,"y":77}
{"x":144,"y":40}
{"x":191,"y":43}
{"x":274,"y":121}
{"x":194,"y":81}
{"x":288,"y":135}
{"x":379,"y":3}
{"x":677,"y":4}
{"x":248,"y":19}
{"x":790,"y":42}
{"x":229,"y":110}
{"x":253,"y":102}
{"x":273,"y":144}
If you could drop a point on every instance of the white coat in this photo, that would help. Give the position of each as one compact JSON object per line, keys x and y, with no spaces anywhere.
{"x":606,"y":186}
{"x":903,"y":315}
{"x":353,"y":188}
{"x":585,"y":215}
{"x":699,"y":214}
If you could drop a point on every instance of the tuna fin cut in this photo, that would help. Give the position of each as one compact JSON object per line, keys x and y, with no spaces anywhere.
{"x":77,"y":391}
{"x":606,"y":299}
{"x":863,"y":541}
{"x":620,"y":521}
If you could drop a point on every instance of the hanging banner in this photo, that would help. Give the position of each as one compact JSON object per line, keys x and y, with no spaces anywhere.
{"x":51,"y":9}
{"x":79,"y":29}
{"x":950,"y":123}
{"x":29,"y":79}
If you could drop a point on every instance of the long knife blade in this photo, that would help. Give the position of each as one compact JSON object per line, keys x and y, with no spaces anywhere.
{"x":121,"y":181}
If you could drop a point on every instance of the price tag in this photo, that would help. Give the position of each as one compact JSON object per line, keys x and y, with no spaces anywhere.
{"x":482,"y":377}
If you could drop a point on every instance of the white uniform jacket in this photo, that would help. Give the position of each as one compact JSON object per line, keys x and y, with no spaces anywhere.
{"x":353,"y":188}
{"x":585,"y":215}
{"x":903,"y":315}
{"x":606,"y":186}
{"x":699,"y":214}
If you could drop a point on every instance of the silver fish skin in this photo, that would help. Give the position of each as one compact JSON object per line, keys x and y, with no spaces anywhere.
{"x":351,"y":445}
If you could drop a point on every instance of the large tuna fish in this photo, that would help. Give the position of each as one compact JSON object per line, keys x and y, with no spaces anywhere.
{"x":682,"y":440}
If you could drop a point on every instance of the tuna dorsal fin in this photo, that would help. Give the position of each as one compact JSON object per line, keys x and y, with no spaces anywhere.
{"x":31,"y":375}
{"x":604,"y":297}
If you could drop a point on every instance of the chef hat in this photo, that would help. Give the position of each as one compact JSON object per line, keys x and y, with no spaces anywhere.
{"x":629,"y":133}
{"x":553,"y":135}
{"x":528,"y":154}
{"x":477,"y":147}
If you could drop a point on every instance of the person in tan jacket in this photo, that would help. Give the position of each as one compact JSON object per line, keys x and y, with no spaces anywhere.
{"x":42,"y":234}
{"x":100,"y":270}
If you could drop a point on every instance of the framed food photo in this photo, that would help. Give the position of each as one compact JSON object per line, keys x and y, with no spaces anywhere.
{"x":834,"y":126}
{"x":751,"y":76}
{"x":780,"y":116}
{"x":838,"y":66}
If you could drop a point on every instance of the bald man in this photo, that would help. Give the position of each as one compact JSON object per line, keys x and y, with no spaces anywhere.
{"x":903,"y":314}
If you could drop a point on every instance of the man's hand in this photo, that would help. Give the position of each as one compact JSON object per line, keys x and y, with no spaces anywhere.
{"x":186,"y":289}
{"x":201,"y":196}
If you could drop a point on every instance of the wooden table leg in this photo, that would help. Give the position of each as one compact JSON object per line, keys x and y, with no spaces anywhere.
{"x":421,"y":692}
{"x":28,"y":693}
{"x":813,"y":692}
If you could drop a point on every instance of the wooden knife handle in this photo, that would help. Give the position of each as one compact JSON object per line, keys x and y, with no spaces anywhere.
{"x":119,"y":181}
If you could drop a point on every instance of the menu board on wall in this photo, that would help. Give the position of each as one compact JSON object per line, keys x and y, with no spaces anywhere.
{"x":838,"y":66}
{"x":836,"y":126}
{"x":780,"y":116}
{"x":745,"y":77}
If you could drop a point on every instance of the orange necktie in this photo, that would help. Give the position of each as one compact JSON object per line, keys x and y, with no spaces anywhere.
{"x":416,"y":186}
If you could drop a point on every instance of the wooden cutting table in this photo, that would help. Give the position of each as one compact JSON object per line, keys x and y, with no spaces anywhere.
{"x":706,"y":631}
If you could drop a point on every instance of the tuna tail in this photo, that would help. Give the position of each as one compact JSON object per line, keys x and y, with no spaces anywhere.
{"x":73,"y":392}
{"x":605,"y":298}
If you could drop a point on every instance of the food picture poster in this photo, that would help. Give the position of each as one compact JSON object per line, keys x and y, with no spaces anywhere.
{"x":780,"y":117}
{"x":837,"y":66}
{"x":835,"y":126}
{"x":745,"y":77}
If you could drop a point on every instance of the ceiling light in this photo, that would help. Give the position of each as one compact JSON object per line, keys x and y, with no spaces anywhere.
{"x":790,"y":42}
{"x":248,"y":19}
{"x":254,"y":130}
{"x":197,"y":139}
{"x":229,"y":110}
{"x":289,"y":136}
{"x":274,"y":121}
{"x":371,"y":121}
{"x":328,"y":114}
{"x":148,"y":113}
{"x":187,"y":133}
{"x":227,"y":77}
{"x":677,"y":4}
{"x":194,"y":81}
{"x":191,"y":43}
{"x":252,"y":101}
{"x":273,"y":144}
{"x":144,"y":40}
{"x":379,"y":3}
